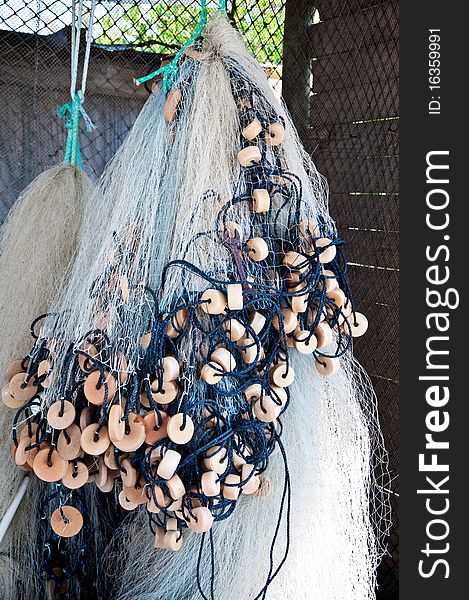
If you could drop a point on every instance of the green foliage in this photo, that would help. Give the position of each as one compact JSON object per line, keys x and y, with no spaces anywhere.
{"x":168,"y":25}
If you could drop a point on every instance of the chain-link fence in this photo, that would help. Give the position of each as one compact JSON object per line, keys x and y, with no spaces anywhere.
{"x":336,"y":62}
{"x":129,"y":38}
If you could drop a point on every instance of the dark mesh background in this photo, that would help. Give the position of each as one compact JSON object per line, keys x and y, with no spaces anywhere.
{"x":340,"y":81}
{"x":337,"y":63}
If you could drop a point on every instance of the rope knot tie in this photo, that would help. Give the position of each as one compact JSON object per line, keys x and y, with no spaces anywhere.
{"x":72,"y":112}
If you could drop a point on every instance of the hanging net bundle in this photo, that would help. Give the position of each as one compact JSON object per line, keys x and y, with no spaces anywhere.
{"x":197,"y":367}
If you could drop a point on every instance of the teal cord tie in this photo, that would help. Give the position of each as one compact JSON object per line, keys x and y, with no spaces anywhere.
{"x":73,"y":111}
{"x":171,"y":70}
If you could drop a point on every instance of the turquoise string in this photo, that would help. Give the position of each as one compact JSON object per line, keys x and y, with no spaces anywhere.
{"x":170,"y":71}
{"x":72,"y":112}
{"x":223,"y":6}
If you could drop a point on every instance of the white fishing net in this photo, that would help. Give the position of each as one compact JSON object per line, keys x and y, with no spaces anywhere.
{"x":175,"y":216}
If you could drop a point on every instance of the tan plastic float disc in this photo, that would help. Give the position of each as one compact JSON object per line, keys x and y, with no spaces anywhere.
{"x":290,"y":321}
{"x":327,"y":365}
{"x":92,"y":444}
{"x":238,"y":461}
{"x":309,"y":228}
{"x":248,"y":348}
{"x":110,"y":458}
{"x":33,"y":452}
{"x":175,"y":487}
{"x":210,"y":483}
{"x":347,"y":309}
{"x":177,"y":324}
{"x":252,"y":482}
{"x":211,"y":373}
{"x":290,"y":341}
{"x":201,"y":519}
{"x":172,"y":524}
{"x":106,"y":486}
{"x":171,"y":368}
{"x":144,"y":399}
{"x":323,"y":335}
{"x":158,"y":500}
{"x":69,"y":448}
{"x":61,"y":415}
{"x":125,"y":502}
{"x":168,"y":393}
{"x":234,"y":294}
{"x":13,"y":369}
{"x":168,"y":464}
{"x":253,"y":392}
{"x":282,"y":375}
{"x":94,"y":394}
{"x":180,"y":428}
{"x":52,"y":473}
{"x":172,"y":541}
{"x":275,"y":134}
{"x":153,"y":432}
{"x":66,"y":521}
{"x":257,"y":322}
{"x":252,"y":130}
{"x":215,"y":459}
{"x":304,"y":342}
{"x":249,"y":156}
{"x":260,"y":201}
{"x":44,"y":368}
{"x":29,"y":431}
{"x":87,"y":416}
{"x":213,"y":302}
{"x":358,"y":324}
{"x":136,"y":436}
{"x":116,"y":426}
{"x":135,"y":494}
{"x":19,"y":390}
{"x":175,"y":505}
{"x":224,"y":358}
{"x":76,"y":475}
{"x":327,"y":255}
{"x":299,"y":304}
{"x":21,"y":454}
{"x":338,"y":296}
{"x":234,"y":330}
{"x":26,"y":467}
{"x":128,"y":473}
{"x":331,"y":280}
{"x":231,"y":487}
{"x":102,"y":475}
{"x":9,"y":400}
{"x":258,"y":249}
{"x":266,"y":410}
